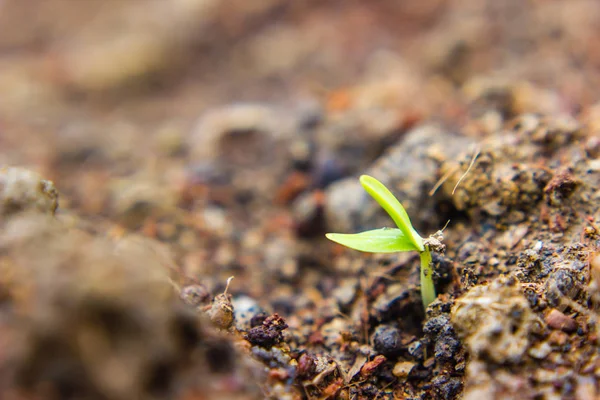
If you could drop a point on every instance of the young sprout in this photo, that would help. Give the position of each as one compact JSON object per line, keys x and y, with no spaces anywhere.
{"x":390,"y":240}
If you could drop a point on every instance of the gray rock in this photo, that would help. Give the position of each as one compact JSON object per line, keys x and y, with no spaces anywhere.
{"x":408,"y":169}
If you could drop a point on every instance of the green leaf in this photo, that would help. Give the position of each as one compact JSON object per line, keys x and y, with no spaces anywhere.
{"x":386,"y":240}
{"x":392,"y":206}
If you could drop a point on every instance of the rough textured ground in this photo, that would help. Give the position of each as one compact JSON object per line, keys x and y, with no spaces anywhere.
{"x":190,"y":141}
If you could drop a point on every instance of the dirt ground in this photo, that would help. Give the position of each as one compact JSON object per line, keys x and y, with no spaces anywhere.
{"x":150,"y":150}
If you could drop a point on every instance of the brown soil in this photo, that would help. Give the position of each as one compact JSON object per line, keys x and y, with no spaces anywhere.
{"x":189,"y":141}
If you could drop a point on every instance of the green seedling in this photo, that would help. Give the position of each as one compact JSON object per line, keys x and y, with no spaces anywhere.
{"x":391,"y":240}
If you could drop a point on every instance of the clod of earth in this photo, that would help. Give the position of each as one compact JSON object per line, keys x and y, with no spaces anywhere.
{"x":23,"y":190}
{"x":495,"y":321}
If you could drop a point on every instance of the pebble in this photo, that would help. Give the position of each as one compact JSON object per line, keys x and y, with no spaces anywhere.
{"x":557,"y":320}
{"x":332,"y":331}
{"x":195,"y":295}
{"x":245,"y":309}
{"x":307,"y":365}
{"x":558,"y":338}
{"x":387,"y":341}
{"x":221,"y":311}
{"x":269,"y":333}
{"x":417,"y":350}
{"x":540,"y":351}
{"x":446,"y":387}
{"x":402,"y":369}
{"x":246,"y":126}
{"x":24,"y":190}
{"x":345,"y":292}
{"x":562,"y":282}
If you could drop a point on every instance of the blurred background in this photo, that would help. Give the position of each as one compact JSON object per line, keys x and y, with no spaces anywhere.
{"x":125,"y":84}
{"x":217,"y":127}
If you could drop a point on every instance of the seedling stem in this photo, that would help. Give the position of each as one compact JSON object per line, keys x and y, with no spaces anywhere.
{"x":427,"y":289}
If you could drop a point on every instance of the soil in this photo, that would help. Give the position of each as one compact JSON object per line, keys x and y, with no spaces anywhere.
{"x":152,"y":150}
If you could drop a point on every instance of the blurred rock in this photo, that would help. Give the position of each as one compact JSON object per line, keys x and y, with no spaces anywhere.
{"x":22,"y":190}
{"x":195,"y":295}
{"x":495,"y":321}
{"x":246,"y":311}
{"x":135,"y":200}
{"x":408,"y":169}
{"x":99,"y":319}
{"x":557,"y":320}
{"x":387,"y":341}
{"x":249,"y":143}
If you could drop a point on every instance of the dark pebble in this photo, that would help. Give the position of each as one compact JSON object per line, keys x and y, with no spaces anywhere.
{"x":269,"y":333}
{"x":417,"y":350}
{"x":387,"y":341}
{"x":437,"y":325}
{"x":560,"y":283}
{"x":446,"y":387}
{"x":258,"y":319}
{"x":446,"y":347}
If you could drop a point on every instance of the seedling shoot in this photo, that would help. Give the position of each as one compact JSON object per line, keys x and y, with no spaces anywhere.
{"x":391,"y":240}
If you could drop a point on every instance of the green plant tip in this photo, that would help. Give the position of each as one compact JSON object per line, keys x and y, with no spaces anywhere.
{"x":393,"y":207}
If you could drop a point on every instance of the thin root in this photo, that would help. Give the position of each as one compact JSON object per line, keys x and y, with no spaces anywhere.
{"x":475,"y":155}
{"x":443,"y":179}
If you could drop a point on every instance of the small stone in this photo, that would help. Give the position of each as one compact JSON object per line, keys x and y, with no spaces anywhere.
{"x":560,"y":186}
{"x":221,"y":311}
{"x":269,"y":333}
{"x":307,"y":366}
{"x":562,"y":282}
{"x":387,"y":341}
{"x":258,"y":319}
{"x":345,"y":293}
{"x":557,"y":320}
{"x":280,"y":258}
{"x":369,"y":368}
{"x":307,"y":211}
{"x":194,"y":295}
{"x":24,"y":190}
{"x":540,"y":351}
{"x":331,"y":332}
{"x":245,"y":310}
{"x":134,"y":200}
{"x":446,"y":387}
{"x":437,"y":325}
{"x":558,"y":338}
{"x":219,"y":130}
{"x":417,"y":350}
{"x":402,"y":369}
{"x":446,"y":347}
